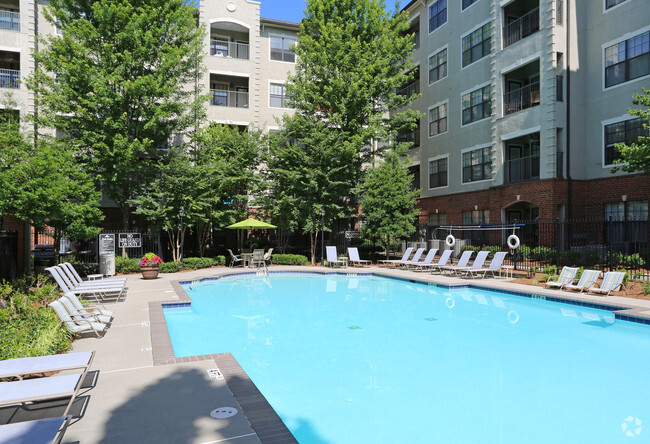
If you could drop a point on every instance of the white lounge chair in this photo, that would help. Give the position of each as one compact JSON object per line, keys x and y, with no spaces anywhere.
{"x":476,"y":265}
{"x":39,"y":431}
{"x":98,"y":291}
{"x":612,"y":281}
{"x":74,"y":276}
{"x":462,"y":262}
{"x":442,"y":261}
{"x":94,"y":309}
{"x":77,"y":326}
{"x":71,"y":282}
{"x":353,"y":254}
{"x":332,"y":257}
{"x":19,"y":367}
{"x":495,"y":265}
{"x":415,"y":259}
{"x":427,"y":259}
{"x":586,"y":280}
{"x":567,"y":275}
{"x":29,"y":391}
{"x":77,"y":315}
{"x":395,"y":262}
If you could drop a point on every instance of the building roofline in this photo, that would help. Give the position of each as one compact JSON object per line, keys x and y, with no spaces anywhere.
{"x":280,"y":23}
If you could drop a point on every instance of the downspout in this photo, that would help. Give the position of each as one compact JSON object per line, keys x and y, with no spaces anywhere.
{"x":568,"y":114}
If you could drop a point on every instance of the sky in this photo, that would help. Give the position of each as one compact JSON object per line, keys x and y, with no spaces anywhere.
{"x":291,"y":10}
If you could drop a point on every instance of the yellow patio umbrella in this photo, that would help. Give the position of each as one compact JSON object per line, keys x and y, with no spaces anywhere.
{"x":249,"y":224}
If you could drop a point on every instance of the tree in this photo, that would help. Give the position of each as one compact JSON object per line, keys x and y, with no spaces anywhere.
{"x":352,"y":58}
{"x":388,"y":203}
{"x":115,"y":81}
{"x":635,"y":157}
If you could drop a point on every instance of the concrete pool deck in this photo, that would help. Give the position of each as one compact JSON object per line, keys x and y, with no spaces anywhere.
{"x":137,"y":392}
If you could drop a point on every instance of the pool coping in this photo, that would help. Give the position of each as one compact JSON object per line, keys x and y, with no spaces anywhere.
{"x":264,"y":420}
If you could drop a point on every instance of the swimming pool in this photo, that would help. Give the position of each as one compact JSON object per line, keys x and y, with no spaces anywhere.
{"x":367,"y":359}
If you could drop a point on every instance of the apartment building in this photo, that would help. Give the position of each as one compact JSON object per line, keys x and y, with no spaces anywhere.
{"x":522,"y":102}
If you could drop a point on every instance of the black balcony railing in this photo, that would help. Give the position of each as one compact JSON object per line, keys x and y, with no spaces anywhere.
{"x":521,"y":28}
{"x":522,"y":98}
{"x":410,"y":89}
{"x":523,"y":168}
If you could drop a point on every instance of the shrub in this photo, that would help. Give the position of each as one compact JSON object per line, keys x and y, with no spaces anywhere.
{"x":171,"y":267}
{"x":579,"y":273}
{"x":550,"y":270}
{"x":220,"y":260}
{"x":646,"y":287}
{"x":84,"y":269}
{"x":544,"y":254}
{"x":570,"y":257}
{"x":289,"y":259}
{"x":126,"y":265}
{"x":626,"y":277}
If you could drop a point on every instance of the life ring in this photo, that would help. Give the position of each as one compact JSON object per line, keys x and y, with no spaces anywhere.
{"x":513,"y":241}
{"x":450,"y":241}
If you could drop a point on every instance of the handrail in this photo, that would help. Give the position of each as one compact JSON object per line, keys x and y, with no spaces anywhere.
{"x":521,"y":28}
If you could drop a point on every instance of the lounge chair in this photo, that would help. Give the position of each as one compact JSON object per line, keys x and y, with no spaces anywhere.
{"x":415,"y":259}
{"x":476,"y":265}
{"x":612,"y":281}
{"x":353,"y":254}
{"x":567,"y":275}
{"x":427,"y":259}
{"x":495,"y":265}
{"x":234,"y":259}
{"x":94,"y":309}
{"x":587,"y":279}
{"x":332,"y":257}
{"x":72,"y":282}
{"x":404,"y":258}
{"x":76,"y":314}
{"x":19,"y":367}
{"x":442,"y":261}
{"x":49,"y":430}
{"x":77,"y":326}
{"x":98,"y":291}
{"x":462,"y":262}
{"x":30,"y":391}
{"x":74,"y":276}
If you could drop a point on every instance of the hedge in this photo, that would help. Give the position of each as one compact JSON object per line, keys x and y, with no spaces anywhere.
{"x":289,"y":259}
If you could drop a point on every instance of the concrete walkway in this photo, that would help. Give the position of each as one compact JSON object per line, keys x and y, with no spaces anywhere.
{"x":128,"y":399}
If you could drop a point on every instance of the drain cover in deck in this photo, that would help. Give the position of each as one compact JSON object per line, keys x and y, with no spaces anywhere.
{"x":223,"y":412}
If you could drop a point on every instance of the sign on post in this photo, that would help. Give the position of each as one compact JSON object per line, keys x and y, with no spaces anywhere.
{"x":130,"y":240}
{"x":106,"y":244}
{"x":352,"y":235}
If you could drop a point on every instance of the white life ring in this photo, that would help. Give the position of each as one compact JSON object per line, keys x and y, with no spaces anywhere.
{"x":513,"y":241}
{"x":450,"y":241}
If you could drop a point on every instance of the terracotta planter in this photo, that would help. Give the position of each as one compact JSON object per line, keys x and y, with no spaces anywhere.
{"x":149,"y":271}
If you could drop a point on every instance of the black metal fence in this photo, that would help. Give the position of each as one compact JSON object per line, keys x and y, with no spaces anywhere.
{"x":149,"y":242}
{"x":8,"y":255}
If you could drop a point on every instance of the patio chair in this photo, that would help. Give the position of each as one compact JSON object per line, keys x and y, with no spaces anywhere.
{"x":74,"y":276}
{"x":476,"y":265}
{"x":567,"y":275}
{"x":415,"y":259}
{"x":612,"y":281}
{"x":49,"y":430}
{"x":77,"y":315}
{"x":442,"y":261}
{"x":97,"y":292}
{"x":77,"y":326}
{"x":30,"y":391}
{"x":94,"y":309}
{"x":268,"y":256}
{"x":258,"y":258}
{"x":462,"y":262}
{"x":586,"y":280}
{"x":495,"y":265}
{"x":19,"y":367}
{"x":353,"y":254}
{"x":404,"y":258}
{"x":234,"y":259}
{"x":333,"y":258}
{"x":427,"y":259}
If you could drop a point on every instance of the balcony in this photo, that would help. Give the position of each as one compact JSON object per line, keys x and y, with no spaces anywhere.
{"x":413,"y":87}
{"x":522,"y":159}
{"x":521,"y":27}
{"x":520,"y":99}
{"x":229,"y":40}
{"x":223,"y":48}
{"x":233,"y":99}
{"x":9,"y":78}
{"x":9,"y":19}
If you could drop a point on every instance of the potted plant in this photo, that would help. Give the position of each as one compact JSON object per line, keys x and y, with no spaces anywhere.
{"x":150,"y":266}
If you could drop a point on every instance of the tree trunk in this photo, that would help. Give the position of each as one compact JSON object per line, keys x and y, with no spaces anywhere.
{"x":313,"y":238}
{"x":202,"y":235}
{"x":387,"y":245}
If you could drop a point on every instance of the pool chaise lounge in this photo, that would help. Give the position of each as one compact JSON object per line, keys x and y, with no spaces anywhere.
{"x":587,"y":279}
{"x":428,"y":259}
{"x":77,"y":314}
{"x":77,"y":326}
{"x":396,"y":262}
{"x":462,"y":262}
{"x":495,"y":266}
{"x":612,"y":281}
{"x":481,"y":256}
{"x":73,"y":283}
{"x":74,"y":276}
{"x":19,"y":367}
{"x":414,"y":260}
{"x":353,"y":254}
{"x":98,"y":309}
{"x":97,"y":291}
{"x":39,"y":431}
{"x":442,"y":261}
{"x":567,"y":275}
{"x":332,"y":257}
{"x":31,"y":391}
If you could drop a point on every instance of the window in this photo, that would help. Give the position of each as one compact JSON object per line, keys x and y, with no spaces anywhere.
{"x":477,"y":105}
{"x":437,"y":14}
{"x":438,"y":173}
{"x":438,"y":66}
{"x":277,"y":96}
{"x":280,"y":49}
{"x":621,"y":132}
{"x":438,"y":219}
{"x":627,"y":222}
{"x":618,"y":211}
{"x":612,"y":3}
{"x":476,"y":217}
{"x":476,"y":44}
{"x":627,"y":60}
{"x":438,"y":120}
{"x":468,"y":3}
{"x":477,"y":165}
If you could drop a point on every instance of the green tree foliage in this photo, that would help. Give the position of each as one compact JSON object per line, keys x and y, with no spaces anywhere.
{"x":388,"y":203}
{"x":351,"y":59}
{"x":115,"y":82}
{"x":635,"y":157}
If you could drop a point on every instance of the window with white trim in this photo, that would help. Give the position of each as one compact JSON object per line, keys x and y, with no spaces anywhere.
{"x":280,"y":49}
{"x":625,"y":132}
{"x":438,"y":219}
{"x":634,"y":210}
{"x":612,"y":3}
{"x":438,"y":172}
{"x":477,"y":165}
{"x":437,"y":14}
{"x":477,"y":105}
{"x":438,"y":120}
{"x":438,"y":66}
{"x":277,"y":97}
{"x":467,"y":3}
{"x":477,"y":44}
{"x":627,"y":60}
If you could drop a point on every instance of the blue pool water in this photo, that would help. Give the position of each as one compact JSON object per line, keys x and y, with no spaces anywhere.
{"x":374,"y":360}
